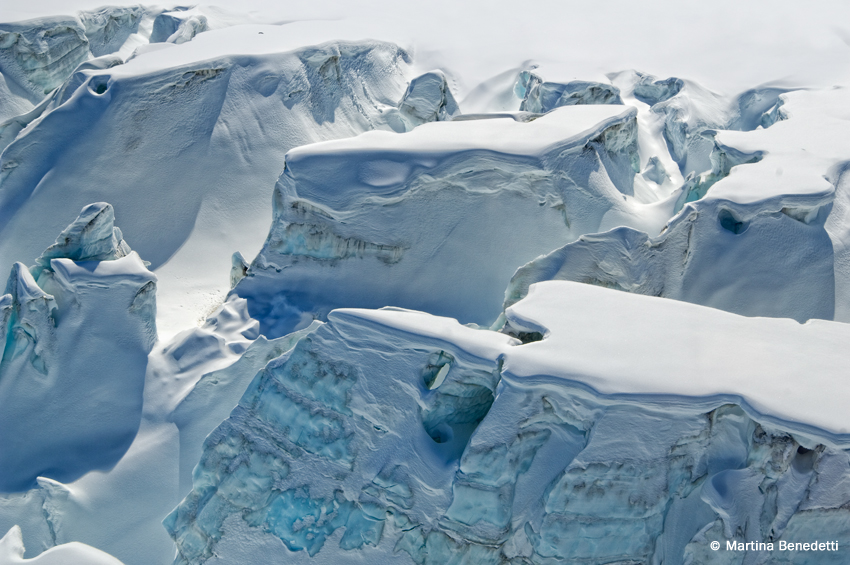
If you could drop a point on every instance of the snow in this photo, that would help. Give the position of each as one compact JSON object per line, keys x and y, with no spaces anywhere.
{"x":77,"y":339}
{"x":646,"y":204}
{"x":198,"y":226}
{"x":668,"y":347}
{"x":74,"y":553}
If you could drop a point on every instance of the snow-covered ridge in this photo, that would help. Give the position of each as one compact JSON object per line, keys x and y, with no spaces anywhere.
{"x":12,"y":551}
{"x":755,"y":234}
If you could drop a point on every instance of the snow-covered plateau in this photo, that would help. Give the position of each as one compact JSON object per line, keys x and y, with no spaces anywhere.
{"x":425,"y":283}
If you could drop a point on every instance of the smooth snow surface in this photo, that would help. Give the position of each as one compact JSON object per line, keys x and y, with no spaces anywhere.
{"x":74,"y":553}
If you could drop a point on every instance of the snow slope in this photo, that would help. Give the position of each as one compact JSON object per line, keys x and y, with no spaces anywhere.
{"x":200,"y":131}
{"x":74,"y":553}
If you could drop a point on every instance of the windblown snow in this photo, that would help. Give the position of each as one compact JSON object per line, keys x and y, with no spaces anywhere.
{"x":476,"y":283}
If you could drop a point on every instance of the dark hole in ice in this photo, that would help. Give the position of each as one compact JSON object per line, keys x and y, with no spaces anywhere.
{"x":442,"y":433}
{"x":523,"y":336}
{"x":101,"y":88}
{"x":730,"y":223}
{"x":529,"y":337}
{"x":804,"y":460}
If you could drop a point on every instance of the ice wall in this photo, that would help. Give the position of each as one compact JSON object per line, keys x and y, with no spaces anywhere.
{"x":36,"y":56}
{"x":77,"y":328}
{"x":399,"y":437}
{"x":438,"y":218}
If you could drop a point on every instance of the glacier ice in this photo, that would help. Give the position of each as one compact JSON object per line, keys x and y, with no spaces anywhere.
{"x":297,"y":96}
{"x":388,"y":219}
{"x":38,"y":55}
{"x":534,"y":453}
{"x":78,"y":326}
{"x":592,"y":426}
{"x":540,"y":96}
{"x":428,"y":98}
{"x":755,"y":235}
{"x":178,"y":26}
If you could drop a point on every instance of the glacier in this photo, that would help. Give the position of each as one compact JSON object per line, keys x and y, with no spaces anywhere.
{"x":423,"y":284}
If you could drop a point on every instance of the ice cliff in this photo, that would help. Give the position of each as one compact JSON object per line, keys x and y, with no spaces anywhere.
{"x":400,"y":437}
{"x":379,"y":219}
{"x":77,"y":328}
{"x":201,"y":102}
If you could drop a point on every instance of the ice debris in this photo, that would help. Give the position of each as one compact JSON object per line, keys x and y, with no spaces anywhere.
{"x":178,"y":26}
{"x":428,"y":99}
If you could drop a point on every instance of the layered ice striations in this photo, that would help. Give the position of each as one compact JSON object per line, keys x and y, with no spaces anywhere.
{"x":395,"y":436}
{"x":91,"y":237}
{"x":36,"y":56}
{"x":341,"y":413}
{"x":77,"y":328}
{"x":438,"y":218}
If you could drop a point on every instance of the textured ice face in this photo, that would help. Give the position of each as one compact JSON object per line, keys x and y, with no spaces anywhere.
{"x":77,"y":329}
{"x":395,"y":436}
{"x":438,"y":218}
{"x":540,"y":97}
